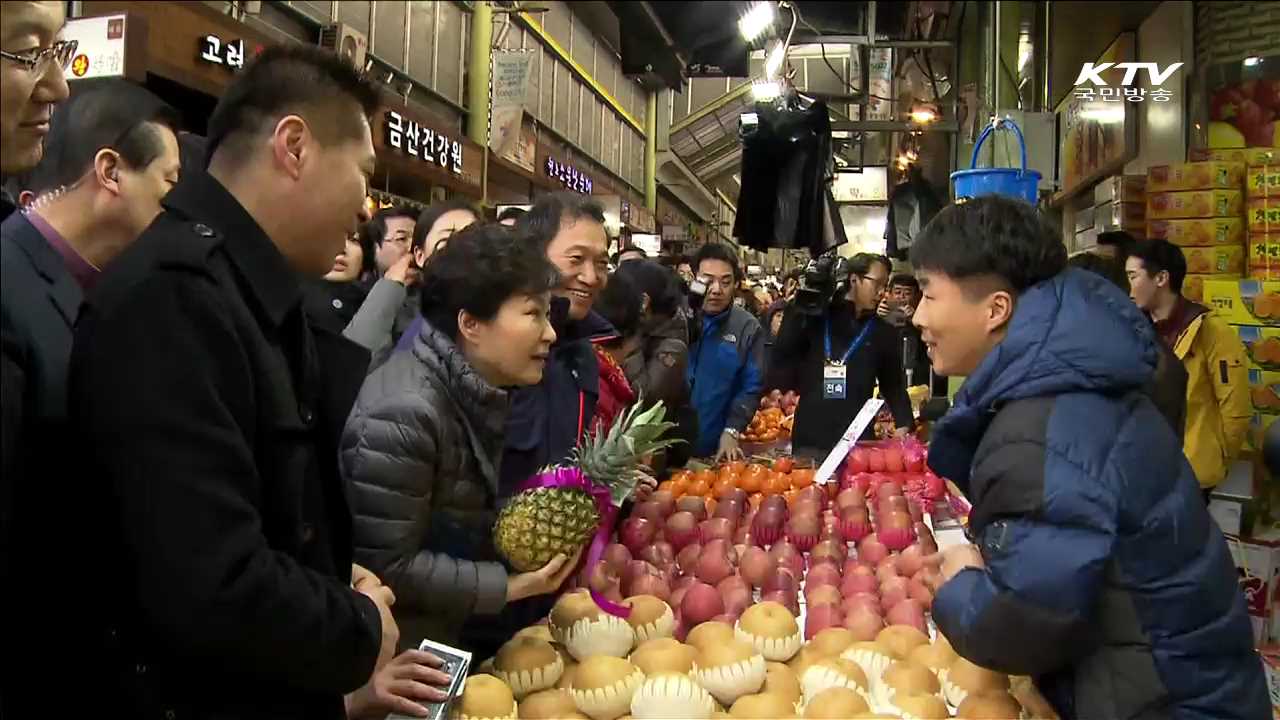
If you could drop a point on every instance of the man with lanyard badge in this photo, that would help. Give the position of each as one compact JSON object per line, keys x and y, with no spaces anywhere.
{"x":834,"y":360}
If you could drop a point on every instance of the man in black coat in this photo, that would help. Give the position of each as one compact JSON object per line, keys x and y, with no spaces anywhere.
{"x":209,"y":412}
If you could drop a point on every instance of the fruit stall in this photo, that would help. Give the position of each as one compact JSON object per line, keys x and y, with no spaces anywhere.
{"x":749,"y":590}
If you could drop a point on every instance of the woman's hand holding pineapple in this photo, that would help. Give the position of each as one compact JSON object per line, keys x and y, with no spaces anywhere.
{"x":544,"y":581}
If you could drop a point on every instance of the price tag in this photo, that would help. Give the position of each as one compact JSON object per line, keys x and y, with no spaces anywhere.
{"x":860,"y":422}
{"x":835,"y":381}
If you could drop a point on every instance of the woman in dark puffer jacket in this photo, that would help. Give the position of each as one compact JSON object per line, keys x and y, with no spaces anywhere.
{"x":422,"y":446}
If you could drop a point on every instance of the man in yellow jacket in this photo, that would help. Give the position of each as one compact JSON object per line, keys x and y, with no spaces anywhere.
{"x":1217,"y":378}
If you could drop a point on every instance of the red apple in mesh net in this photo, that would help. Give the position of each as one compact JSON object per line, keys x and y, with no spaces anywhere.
{"x":682,"y":529}
{"x":822,"y":574}
{"x":700,"y":603}
{"x":822,"y":595}
{"x":868,"y":600}
{"x":737,"y":495}
{"x":855,"y":524}
{"x":857,"y":460}
{"x":665,"y":501}
{"x":820,"y":617}
{"x":854,"y":566}
{"x":687,"y":558}
{"x":875,"y":460}
{"x":717,"y":562}
{"x":659,"y":554}
{"x":769,"y":521}
{"x":781,"y":579}
{"x":829,"y":529}
{"x":908,"y":612}
{"x":871,"y":550}
{"x":802,"y":530}
{"x":790,"y":601}
{"x":864,"y":623}
{"x":616,"y":556}
{"x":736,"y":594}
{"x":850,"y":497}
{"x":895,"y":503}
{"x":893,"y":592}
{"x":756,"y":565}
{"x":636,"y":532}
{"x":788,"y":556}
{"x":895,"y":531}
{"x":888,"y":488}
{"x":715,"y":529}
{"x":693,"y":504}
{"x":834,"y":549}
{"x":635,"y":569}
{"x":910,"y":560}
{"x":654,"y":585}
{"x":649,"y":510}
{"x":774,"y":501}
{"x":729,"y":509}
{"x":806,"y":507}
{"x":853,"y":584}
{"x":918,"y":591}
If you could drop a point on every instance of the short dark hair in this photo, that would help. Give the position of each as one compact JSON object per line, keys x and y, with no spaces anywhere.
{"x":431,"y":215}
{"x":304,"y":80}
{"x":905,"y":280}
{"x":1159,"y":256}
{"x":1107,"y":267}
{"x":511,"y":213}
{"x":542,"y":222}
{"x":376,"y":229}
{"x":619,"y":303}
{"x":861,"y":263}
{"x":716,"y":251}
{"x":991,"y":236}
{"x":452,"y":283}
{"x":661,"y":284}
{"x":108,"y":113}
{"x":192,"y":149}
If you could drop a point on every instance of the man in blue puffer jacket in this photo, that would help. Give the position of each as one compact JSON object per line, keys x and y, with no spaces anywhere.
{"x":1096,"y":568}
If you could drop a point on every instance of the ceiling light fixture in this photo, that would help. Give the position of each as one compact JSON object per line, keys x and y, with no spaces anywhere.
{"x":756,"y":20}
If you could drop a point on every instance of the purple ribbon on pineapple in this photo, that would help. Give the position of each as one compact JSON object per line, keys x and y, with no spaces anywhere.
{"x":572,"y":477}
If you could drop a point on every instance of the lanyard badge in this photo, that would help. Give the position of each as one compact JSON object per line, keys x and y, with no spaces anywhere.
{"x":835,"y":373}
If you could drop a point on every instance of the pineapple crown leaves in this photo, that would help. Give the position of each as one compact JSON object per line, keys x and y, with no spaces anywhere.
{"x":611,"y":458}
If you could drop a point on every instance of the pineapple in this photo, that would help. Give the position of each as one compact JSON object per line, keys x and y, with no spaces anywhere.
{"x":539,"y":524}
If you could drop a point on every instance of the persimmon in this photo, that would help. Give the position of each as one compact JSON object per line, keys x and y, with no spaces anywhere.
{"x":726,"y":474}
{"x":723,"y":487}
{"x":706,"y":475}
{"x":784,"y":464}
{"x":751,"y":481}
{"x":738,"y":466}
{"x":776,"y":484}
{"x":699,"y":488}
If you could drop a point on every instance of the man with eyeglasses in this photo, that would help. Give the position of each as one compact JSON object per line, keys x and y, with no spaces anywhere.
{"x":835,"y":360}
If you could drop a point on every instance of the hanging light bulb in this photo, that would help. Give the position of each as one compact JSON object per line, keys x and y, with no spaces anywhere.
{"x":756,"y":20}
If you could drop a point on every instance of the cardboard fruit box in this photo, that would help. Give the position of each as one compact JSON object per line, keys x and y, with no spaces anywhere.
{"x":1262,"y":181}
{"x":1264,"y":255}
{"x":1221,"y":260}
{"x":1262,"y":345}
{"x":1244,"y":302}
{"x":1193,"y":285}
{"x":1248,"y":156}
{"x":1121,"y":189}
{"x":1195,"y":176}
{"x":1263,"y":214}
{"x":1194,"y":204}
{"x":1197,"y":232}
{"x":1128,"y":216}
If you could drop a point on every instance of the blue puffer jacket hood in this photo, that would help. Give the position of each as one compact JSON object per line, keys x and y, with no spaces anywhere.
{"x":1075,"y":332}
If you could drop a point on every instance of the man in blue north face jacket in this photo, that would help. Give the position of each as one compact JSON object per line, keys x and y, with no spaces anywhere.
{"x":726,"y":363}
{"x":1096,"y":568}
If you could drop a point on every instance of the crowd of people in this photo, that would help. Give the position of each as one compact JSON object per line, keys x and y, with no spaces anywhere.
{"x":255,"y":437}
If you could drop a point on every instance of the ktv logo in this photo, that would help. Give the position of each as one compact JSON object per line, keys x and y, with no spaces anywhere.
{"x":1092,"y":72}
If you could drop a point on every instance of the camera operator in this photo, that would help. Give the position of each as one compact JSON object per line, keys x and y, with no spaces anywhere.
{"x":896,"y":309}
{"x":832,"y":350}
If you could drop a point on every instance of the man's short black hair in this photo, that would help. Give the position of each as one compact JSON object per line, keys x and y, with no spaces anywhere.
{"x":542,"y":222}
{"x":861,"y":263}
{"x":905,"y":280}
{"x":511,"y":213}
{"x":1107,"y":267}
{"x":304,"y":80}
{"x":991,"y":236}
{"x":106,"y":113}
{"x":376,"y":228}
{"x":428,"y":218}
{"x":619,"y":303}
{"x":1159,"y":256}
{"x":661,"y":284}
{"x":451,"y":282}
{"x":716,"y":251}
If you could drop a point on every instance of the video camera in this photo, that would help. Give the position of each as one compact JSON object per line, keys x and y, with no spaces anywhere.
{"x":819,"y":282}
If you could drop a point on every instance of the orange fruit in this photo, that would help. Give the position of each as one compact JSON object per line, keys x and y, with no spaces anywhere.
{"x":706,"y":475}
{"x":738,"y":466}
{"x":727,"y":474}
{"x":682,"y":476}
{"x":668,"y":486}
{"x":802,"y":477}
{"x":723,"y":487}
{"x":777,"y":483}
{"x":751,"y":482}
{"x":783,"y":464}
{"x":699,"y":488}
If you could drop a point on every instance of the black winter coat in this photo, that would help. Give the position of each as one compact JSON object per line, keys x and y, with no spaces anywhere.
{"x":421,"y":452}
{"x":208,"y":412}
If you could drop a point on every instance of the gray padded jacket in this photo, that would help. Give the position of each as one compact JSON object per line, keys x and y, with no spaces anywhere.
{"x":421,"y":451}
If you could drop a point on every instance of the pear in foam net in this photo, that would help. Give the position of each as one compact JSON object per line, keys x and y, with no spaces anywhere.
{"x":991,"y":706}
{"x":549,"y":705}
{"x":834,"y":672}
{"x":710,"y":634}
{"x":782,"y":681}
{"x":872,"y":657}
{"x":937,"y":657}
{"x":528,"y":665}
{"x":964,"y":678}
{"x":664,"y":655}
{"x":604,"y":685}
{"x":900,"y":640}
{"x":730,"y":670}
{"x":836,"y":703}
{"x":772,"y":630}
{"x":671,"y":695}
{"x":650,"y":618}
{"x":922,"y":707}
{"x":586,"y":630}
{"x":485,"y":697}
{"x":762,"y":706}
{"x":903,"y":679}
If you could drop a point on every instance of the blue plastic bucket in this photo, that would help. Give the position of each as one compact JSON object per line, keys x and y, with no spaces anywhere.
{"x":1012,"y":182}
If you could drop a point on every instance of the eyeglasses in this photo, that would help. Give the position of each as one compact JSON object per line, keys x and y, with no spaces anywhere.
{"x":39,"y":61}
{"x":878,"y":285}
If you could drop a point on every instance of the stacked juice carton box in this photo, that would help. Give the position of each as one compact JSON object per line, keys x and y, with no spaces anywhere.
{"x":1253,"y":307}
{"x":1261,"y":205}
{"x":1200,"y":205}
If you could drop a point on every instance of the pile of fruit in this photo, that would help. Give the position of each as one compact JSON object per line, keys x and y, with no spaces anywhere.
{"x":775,"y":418}
{"x":869,"y":465}
{"x":758,"y":479}
{"x":812,"y":603}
